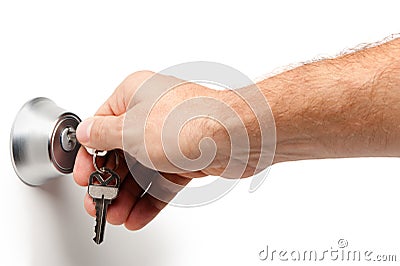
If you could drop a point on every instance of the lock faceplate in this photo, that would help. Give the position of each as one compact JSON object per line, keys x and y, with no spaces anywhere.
{"x":64,"y":159}
{"x":38,"y":148}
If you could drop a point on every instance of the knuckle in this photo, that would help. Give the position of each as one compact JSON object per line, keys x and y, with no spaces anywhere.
{"x":130,"y":85}
{"x":97,"y":134}
{"x":120,"y":125}
{"x":139,"y":75}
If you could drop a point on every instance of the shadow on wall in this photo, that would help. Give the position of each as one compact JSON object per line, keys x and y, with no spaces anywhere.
{"x":61,"y":232}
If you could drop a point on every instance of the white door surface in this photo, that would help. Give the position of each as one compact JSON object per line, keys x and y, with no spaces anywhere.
{"x":77,"y":52}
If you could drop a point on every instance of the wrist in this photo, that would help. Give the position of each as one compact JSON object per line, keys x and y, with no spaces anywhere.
{"x":245,"y":137}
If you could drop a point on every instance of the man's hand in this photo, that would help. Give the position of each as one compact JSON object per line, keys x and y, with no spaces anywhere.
{"x":132,"y":120}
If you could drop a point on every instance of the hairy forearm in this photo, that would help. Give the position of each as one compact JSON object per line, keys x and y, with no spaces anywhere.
{"x":343,"y":107}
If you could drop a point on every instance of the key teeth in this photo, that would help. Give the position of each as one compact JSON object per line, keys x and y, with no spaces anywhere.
{"x":97,"y":239}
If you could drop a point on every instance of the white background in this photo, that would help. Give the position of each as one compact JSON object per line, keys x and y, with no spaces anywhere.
{"x":77,"y":52}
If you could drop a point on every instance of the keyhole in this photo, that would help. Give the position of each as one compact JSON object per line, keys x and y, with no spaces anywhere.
{"x":68,"y":139}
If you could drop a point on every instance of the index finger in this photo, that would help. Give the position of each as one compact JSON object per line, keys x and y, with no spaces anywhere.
{"x":117,"y":104}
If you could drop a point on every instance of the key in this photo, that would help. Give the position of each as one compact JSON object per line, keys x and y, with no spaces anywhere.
{"x":103,"y":188}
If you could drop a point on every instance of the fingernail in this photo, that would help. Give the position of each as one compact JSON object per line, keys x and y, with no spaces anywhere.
{"x":83,"y":130}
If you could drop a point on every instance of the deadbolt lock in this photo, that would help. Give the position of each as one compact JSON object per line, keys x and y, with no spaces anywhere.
{"x":43,"y":141}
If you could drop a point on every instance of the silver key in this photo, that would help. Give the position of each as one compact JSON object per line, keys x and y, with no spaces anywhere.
{"x":103,"y":188}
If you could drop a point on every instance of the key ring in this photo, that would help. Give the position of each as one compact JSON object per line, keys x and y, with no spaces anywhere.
{"x":101,"y":154}
{"x":93,"y":151}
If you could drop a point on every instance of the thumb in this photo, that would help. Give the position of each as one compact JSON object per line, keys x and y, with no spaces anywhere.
{"x":101,"y":132}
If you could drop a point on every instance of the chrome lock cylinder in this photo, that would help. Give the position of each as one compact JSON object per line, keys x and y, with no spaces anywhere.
{"x":43,"y":141}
